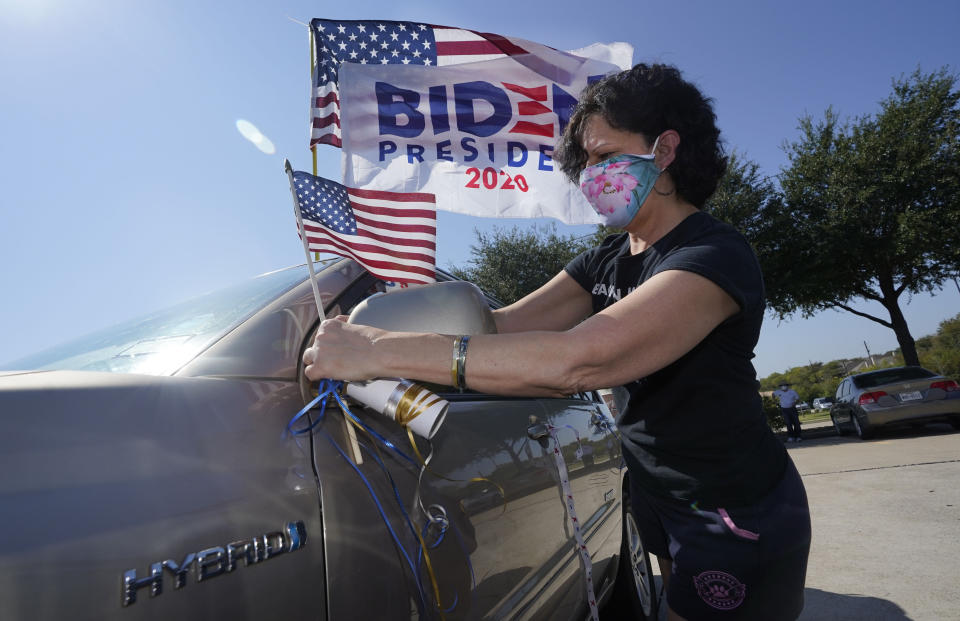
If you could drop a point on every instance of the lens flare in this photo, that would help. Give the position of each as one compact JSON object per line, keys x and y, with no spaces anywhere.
{"x":249,"y":131}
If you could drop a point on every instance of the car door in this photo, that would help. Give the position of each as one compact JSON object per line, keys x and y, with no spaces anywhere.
{"x":585,"y":429}
{"x":482,"y":494}
{"x":510,"y":550}
{"x":842,"y":408}
{"x":485,"y":496}
{"x":500,"y":468}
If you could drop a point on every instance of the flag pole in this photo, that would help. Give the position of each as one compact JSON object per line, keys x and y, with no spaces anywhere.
{"x":351,"y":434}
{"x":303,"y":237}
{"x":313,"y":148}
{"x":313,"y":69}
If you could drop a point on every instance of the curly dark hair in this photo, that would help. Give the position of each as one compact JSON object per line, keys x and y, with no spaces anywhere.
{"x":649,"y":100}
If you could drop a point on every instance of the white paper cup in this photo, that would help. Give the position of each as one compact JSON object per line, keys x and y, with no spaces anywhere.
{"x":409,"y":404}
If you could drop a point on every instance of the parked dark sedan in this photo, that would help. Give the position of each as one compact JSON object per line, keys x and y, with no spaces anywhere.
{"x":894,"y":396}
{"x":149,"y":473}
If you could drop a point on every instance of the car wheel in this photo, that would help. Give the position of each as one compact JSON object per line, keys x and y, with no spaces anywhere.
{"x":635,"y":593}
{"x":863,"y":430}
{"x":838,"y":427}
{"x":955,"y":422}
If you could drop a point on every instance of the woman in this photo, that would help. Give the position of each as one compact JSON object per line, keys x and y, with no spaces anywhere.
{"x":671,"y":308}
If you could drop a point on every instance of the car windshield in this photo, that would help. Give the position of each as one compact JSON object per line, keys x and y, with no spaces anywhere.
{"x":889,"y":376}
{"x":162,"y":342}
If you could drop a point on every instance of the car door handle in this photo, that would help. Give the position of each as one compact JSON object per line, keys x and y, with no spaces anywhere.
{"x":538,"y":431}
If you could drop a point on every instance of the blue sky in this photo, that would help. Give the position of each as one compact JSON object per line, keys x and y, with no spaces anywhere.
{"x":127,"y":187}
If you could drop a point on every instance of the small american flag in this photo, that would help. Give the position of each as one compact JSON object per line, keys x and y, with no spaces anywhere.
{"x":404,"y":43}
{"x":392,"y":234}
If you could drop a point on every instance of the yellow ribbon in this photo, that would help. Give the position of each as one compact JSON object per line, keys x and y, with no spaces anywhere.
{"x":426,"y":552}
{"x":430,"y":572}
{"x":423,"y":464}
{"x":423,"y":544}
{"x":412,"y":404}
{"x":408,"y":409}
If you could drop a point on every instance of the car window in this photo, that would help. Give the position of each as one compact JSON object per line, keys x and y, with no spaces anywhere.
{"x":162,"y":342}
{"x":889,"y":376}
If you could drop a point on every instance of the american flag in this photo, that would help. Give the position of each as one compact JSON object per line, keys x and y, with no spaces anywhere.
{"x":404,"y":43}
{"x":392,"y":234}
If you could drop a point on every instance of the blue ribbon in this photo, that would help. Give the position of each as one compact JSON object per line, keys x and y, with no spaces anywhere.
{"x":383,"y":515}
{"x":443,"y":530}
{"x":396,"y":491}
{"x":330,"y":387}
{"x":327,"y":388}
{"x":390,"y":445}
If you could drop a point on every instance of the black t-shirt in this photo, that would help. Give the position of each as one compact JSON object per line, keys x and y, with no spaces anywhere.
{"x":694,"y":430}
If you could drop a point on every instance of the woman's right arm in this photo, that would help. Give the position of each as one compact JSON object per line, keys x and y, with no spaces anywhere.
{"x":558,"y":305}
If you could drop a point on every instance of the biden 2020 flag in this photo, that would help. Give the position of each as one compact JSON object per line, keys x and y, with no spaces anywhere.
{"x":391,"y":234}
{"x":470,"y":117}
{"x":480,"y":136}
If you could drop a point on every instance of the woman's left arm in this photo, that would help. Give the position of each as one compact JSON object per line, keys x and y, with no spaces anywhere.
{"x":648,"y":329}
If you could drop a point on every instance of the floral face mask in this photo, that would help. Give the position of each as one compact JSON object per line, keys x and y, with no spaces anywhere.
{"x":617,"y":187}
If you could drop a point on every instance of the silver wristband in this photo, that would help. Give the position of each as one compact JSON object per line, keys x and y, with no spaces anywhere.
{"x":461,"y":362}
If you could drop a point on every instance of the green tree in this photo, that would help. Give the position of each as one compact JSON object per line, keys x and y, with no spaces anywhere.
{"x":748,"y":201}
{"x":752,"y":204}
{"x":941,"y":351}
{"x":771,"y":408}
{"x":510,"y":263}
{"x":872,"y":206}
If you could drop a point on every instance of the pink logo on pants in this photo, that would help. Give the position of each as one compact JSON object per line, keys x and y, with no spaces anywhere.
{"x":720,"y":589}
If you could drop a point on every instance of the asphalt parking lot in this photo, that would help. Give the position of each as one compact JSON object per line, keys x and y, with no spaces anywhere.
{"x":886,"y":525}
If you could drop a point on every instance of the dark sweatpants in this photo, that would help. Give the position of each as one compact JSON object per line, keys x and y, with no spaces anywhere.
{"x":792,"y":418}
{"x":732,"y":563}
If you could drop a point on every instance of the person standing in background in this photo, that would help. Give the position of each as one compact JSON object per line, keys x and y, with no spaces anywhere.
{"x":788,"y":407}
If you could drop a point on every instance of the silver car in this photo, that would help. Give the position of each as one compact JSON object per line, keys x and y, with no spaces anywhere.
{"x":893,"y":396}
{"x":822,"y":403}
{"x":151,"y":471}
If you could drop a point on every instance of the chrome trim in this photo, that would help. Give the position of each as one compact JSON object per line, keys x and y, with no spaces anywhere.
{"x":247,"y":550}
{"x":131,"y":583}
{"x":206,"y":558}
{"x":215,"y":561}
{"x":179,"y":571}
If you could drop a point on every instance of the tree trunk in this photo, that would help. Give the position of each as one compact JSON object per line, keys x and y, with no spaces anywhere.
{"x":908,"y":347}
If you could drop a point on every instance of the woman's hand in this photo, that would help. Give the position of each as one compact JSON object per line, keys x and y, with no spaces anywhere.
{"x":342,"y":351}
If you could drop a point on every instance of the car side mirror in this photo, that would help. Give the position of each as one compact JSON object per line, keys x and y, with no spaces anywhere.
{"x":454,"y":307}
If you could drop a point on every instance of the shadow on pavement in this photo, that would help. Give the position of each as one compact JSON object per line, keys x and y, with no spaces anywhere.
{"x":824,"y":606}
{"x":817,"y":606}
{"x":826,"y":435}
